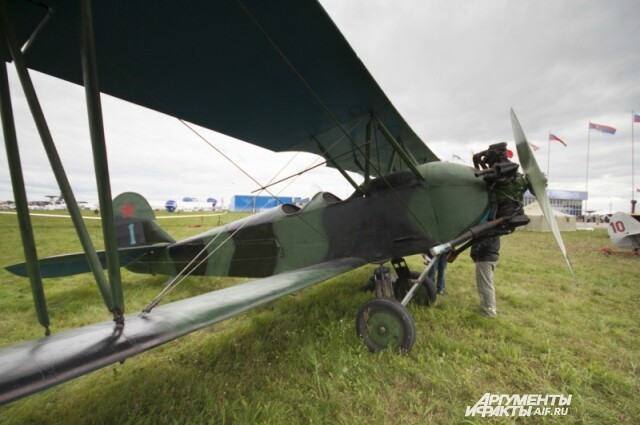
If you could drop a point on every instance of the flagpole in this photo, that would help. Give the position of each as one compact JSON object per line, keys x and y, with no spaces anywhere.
{"x":548,"y":153}
{"x":586,"y":185}
{"x":633,"y":169}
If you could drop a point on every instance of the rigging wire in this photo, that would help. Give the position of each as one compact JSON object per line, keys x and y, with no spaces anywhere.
{"x":312,"y":165}
{"x":181,"y":276}
{"x":191,"y":267}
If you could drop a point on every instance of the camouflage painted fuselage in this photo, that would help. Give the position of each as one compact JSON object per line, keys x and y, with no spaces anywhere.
{"x":397,"y":216}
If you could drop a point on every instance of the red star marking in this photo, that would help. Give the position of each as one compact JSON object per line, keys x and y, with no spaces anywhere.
{"x":127,"y":210}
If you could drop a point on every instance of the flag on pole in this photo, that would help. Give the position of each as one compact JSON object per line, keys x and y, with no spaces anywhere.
{"x":557,"y":139}
{"x":602,"y":128}
{"x":534,"y":147}
{"x":636,"y":118}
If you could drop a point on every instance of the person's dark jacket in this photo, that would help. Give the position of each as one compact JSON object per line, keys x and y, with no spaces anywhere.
{"x":487,"y":250}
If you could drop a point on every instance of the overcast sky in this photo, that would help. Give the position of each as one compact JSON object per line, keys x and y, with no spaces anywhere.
{"x":452,"y":68}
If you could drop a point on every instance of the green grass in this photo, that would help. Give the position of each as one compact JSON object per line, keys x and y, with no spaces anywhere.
{"x":299,"y":361}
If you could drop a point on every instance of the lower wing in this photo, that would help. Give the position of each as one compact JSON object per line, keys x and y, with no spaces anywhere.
{"x":39,"y":364}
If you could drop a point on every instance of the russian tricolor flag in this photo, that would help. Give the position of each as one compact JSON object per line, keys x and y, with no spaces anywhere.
{"x":636,"y":118}
{"x":557,"y":139}
{"x":602,"y":128}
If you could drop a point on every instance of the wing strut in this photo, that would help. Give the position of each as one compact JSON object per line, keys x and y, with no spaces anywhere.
{"x":325,"y":153}
{"x":367,"y":152}
{"x":43,"y":23}
{"x":411,"y":163}
{"x":20,"y":196}
{"x":100,"y":161}
{"x":54,"y":159}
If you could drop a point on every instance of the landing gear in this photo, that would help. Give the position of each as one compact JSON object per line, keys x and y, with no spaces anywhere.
{"x":385,"y":323}
{"x":385,"y":285}
{"x":425,"y":294}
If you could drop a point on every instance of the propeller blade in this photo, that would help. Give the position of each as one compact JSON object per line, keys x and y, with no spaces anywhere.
{"x":538,"y":183}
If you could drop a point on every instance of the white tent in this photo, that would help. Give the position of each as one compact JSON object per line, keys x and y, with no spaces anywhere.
{"x":566,"y":222}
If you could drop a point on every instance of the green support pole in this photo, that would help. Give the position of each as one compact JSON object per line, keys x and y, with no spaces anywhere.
{"x":392,"y":159}
{"x":408,"y":152}
{"x":367,"y":153}
{"x":20,"y":196}
{"x":54,"y":160}
{"x":325,"y":153}
{"x":100,"y":162}
{"x":397,"y":148}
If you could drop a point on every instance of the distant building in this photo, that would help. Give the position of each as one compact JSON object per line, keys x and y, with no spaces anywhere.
{"x":566,"y":201}
{"x":250,"y":203}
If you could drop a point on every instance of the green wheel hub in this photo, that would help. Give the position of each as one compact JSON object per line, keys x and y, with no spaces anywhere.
{"x":385,"y":329}
{"x":385,"y":323}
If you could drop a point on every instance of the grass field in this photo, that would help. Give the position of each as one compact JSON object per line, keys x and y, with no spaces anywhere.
{"x":298,"y":361}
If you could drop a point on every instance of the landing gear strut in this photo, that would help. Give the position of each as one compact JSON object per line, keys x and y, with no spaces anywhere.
{"x":425,"y":292}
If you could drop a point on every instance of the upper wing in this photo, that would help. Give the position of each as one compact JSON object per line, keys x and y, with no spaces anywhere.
{"x":36,"y":365}
{"x":276,"y":74}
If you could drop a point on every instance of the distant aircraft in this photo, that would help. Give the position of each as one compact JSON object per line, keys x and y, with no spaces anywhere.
{"x":279,"y":75}
{"x":624,"y":231}
{"x":56,"y":202}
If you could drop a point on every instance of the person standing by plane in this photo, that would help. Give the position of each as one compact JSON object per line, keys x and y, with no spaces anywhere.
{"x":485,"y":255}
{"x":440,"y":266}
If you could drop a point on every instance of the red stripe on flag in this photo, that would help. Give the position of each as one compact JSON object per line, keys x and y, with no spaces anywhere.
{"x":602,"y":128}
{"x":556,"y":138}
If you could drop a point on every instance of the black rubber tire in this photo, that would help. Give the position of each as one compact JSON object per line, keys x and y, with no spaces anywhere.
{"x":425,"y":295}
{"x":385,"y":323}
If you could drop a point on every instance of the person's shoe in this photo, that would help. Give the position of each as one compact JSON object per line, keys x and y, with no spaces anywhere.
{"x":441,"y":292}
{"x":491,"y":312}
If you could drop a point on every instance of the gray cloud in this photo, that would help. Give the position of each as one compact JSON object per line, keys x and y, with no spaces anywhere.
{"x":452,"y":68}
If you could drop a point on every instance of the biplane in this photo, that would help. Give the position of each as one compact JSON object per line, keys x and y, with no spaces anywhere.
{"x":277,"y":75}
